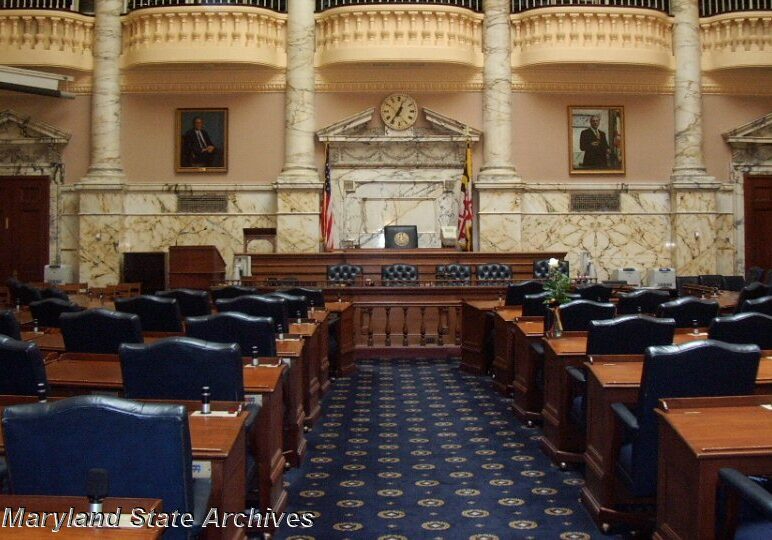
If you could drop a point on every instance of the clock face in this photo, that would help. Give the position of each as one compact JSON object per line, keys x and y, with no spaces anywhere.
{"x":399,"y":111}
{"x":401,"y":239}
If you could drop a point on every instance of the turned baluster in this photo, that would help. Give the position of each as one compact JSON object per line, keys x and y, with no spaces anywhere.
{"x":388,"y":327}
{"x":423,"y":326}
{"x":404,"y":327}
{"x":457,"y":325}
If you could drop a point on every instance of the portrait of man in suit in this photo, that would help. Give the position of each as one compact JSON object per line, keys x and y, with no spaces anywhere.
{"x":592,"y":142}
{"x":201,"y":140}
{"x":596,"y":140}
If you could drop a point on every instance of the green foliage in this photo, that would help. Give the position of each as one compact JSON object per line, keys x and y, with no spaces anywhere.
{"x":558,"y":284}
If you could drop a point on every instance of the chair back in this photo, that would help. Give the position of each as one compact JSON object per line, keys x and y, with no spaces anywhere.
{"x":493,"y":274}
{"x":628,"y":334}
{"x":753,"y":274}
{"x":53,"y":292}
{"x":251,"y":333}
{"x":688,"y":310}
{"x":516,"y":292}
{"x":641,"y":301}
{"x":13,"y":285}
{"x":683,"y":281}
{"x":99,"y":331}
{"x":314,"y":297}
{"x":145,"y":448}
{"x":734,"y":283}
{"x":155,"y":314}
{"x":178,"y":367}
{"x":453,"y":274}
{"x":576,"y":315}
{"x":534,"y":306}
{"x":596,"y":292}
{"x":21,"y":367}
{"x":259,"y":306}
{"x":297,"y":306}
{"x":713,"y":280}
{"x":696,"y":369}
{"x":9,"y":326}
{"x":752,"y":292}
{"x":47,"y":311}
{"x":759,"y":305}
{"x":192,"y":302}
{"x":755,"y":328}
{"x":399,"y":274}
{"x":27,"y":294}
{"x":231,"y":291}
{"x":541,"y":268}
{"x":344,"y":274}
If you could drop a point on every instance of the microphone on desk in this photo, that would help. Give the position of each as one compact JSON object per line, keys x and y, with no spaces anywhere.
{"x":97,"y":488}
{"x":41,"y":392}
{"x":206,"y":396}
{"x":36,"y":329}
{"x":254,"y":355}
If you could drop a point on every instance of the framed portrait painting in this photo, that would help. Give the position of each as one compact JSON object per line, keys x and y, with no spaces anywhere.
{"x":201,"y":140}
{"x":596,"y":140}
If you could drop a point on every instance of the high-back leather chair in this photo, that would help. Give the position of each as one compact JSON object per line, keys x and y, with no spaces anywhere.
{"x":399,"y":274}
{"x":145,"y":449}
{"x":683,"y":281}
{"x":641,"y":301}
{"x":13,"y":285}
{"x":259,"y":306}
{"x":231,"y":291}
{"x":597,"y":292}
{"x":759,"y":305}
{"x":28,"y":293}
{"x":53,"y":292}
{"x":493,"y":274}
{"x":753,"y":328}
{"x":99,"y":331}
{"x":47,"y":311}
{"x":21,"y":367}
{"x":688,"y":311}
{"x":754,"y":274}
{"x":9,"y":326}
{"x":576,"y":315}
{"x":453,"y":274}
{"x":747,"y":511}
{"x":297,"y":306}
{"x":541,"y":268}
{"x":192,"y":302}
{"x":628,"y":334}
{"x":178,"y":367}
{"x":697,"y":369}
{"x":712,"y":280}
{"x":734,"y":283}
{"x":516,"y":292}
{"x":534,"y":306}
{"x":752,"y":292}
{"x":343,"y":274}
{"x":314,"y":297}
{"x":251,"y":333}
{"x":155,"y":314}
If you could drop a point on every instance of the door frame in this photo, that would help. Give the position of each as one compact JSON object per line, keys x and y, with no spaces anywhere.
{"x":747,"y":177}
{"x":45,"y":183}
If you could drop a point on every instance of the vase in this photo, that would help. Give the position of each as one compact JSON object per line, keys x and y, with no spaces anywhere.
{"x":554,"y":326}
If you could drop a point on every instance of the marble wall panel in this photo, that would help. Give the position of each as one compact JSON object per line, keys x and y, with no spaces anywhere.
{"x":101,"y":202}
{"x":545,"y":202}
{"x":695,"y":201}
{"x":645,"y":202}
{"x":500,"y":232}
{"x":99,"y":249}
{"x":299,"y":234}
{"x":499,"y":201}
{"x":297,"y":201}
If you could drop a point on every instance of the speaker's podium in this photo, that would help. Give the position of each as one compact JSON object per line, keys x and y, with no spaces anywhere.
{"x":400,"y":236}
{"x":195,"y":267}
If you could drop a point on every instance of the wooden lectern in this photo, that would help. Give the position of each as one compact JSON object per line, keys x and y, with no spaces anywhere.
{"x":195,"y":267}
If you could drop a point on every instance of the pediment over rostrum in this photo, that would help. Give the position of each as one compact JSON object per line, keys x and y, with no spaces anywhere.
{"x":30,"y":147}
{"x":751,"y":143}
{"x":18,"y":129}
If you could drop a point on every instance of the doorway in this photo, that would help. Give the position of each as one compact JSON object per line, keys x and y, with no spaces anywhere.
{"x":24,"y":227}
{"x":758,"y":221}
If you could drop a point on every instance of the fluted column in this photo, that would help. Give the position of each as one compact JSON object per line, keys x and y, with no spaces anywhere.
{"x":499,"y":188}
{"x":298,"y":188}
{"x":105,"y":164}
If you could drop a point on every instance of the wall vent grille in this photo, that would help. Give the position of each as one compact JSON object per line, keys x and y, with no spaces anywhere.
{"x":207,"y":203}
{"x":596,"y":202}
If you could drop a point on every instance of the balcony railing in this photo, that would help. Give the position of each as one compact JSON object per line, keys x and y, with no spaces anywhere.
{"x":274,"y":5}
{"x":474,"y":5}
{"x":61,"y":5}
{"x":518,"y":6}
{"x":708,"y":8}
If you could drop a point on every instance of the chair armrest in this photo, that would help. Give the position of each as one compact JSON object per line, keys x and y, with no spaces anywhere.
{"x":628,"y":418}
{"x":750,"y":491}
{"x":577,"y":374}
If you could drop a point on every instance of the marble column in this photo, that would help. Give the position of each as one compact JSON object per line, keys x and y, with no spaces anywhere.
{"x":299,"y":185}
{"x":498,"y":184}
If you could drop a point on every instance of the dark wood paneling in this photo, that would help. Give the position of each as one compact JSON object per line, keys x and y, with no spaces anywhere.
{"x":758,"y":221}
{"x":24,"y":223}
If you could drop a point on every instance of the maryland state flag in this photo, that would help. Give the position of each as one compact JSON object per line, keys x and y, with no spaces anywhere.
{"x":328,"y":219}
{"x":466,"y":211}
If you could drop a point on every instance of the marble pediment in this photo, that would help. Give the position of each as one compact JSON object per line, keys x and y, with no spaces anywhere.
{"x":757,"y":132}
{"x":16,"y":129}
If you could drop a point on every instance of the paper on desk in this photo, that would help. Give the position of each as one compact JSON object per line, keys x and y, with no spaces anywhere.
{"x":255,"y":399}
{"x":768,"y":406}
{"x":219,"y":414}
{"x":202,"y":468}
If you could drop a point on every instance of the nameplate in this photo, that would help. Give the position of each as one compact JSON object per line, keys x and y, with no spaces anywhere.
{"x":216,"y":414}
{"x":254,"y":399}
{"x":767,"y":406}
{"x":202,"y":469}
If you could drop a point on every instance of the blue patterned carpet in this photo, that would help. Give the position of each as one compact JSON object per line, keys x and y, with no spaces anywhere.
{"x":418,"y":449}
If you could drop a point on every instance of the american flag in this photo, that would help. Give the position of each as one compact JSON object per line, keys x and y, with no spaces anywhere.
{"x":466,"y":210}
{"x":328,"y":219}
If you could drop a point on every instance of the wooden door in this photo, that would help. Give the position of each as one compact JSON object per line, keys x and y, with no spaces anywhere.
{"x":758,"y":221}
{"x":24,"y":224}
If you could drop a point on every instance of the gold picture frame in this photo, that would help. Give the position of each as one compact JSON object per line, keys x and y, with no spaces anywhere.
{"x":201,"y":140}
{"x":596,"y":139}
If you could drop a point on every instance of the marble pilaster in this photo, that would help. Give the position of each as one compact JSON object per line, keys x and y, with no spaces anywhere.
{"x":106,"y":164}
{"x":100,"y":231}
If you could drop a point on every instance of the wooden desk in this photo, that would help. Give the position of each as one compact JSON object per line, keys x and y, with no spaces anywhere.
{"x":62,"y":505}
{"x":563,"y":442}
{"x":310,"y":360}
{"x":697,"y":437}
{"x":617,"y":379}
{"x":529,"y":398}
{"x":52,"y":341}
{"x":322,"y":319}
{"x":503,"y":358}
{"x":343,"y":364}
{"x":476,"y":326}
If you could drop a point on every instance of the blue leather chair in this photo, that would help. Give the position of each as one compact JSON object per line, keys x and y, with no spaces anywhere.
{"x":27,"y":294}
{"x":641,"y":301}
{"x":155,"y":314}
{"x":541,"y":268}
{"x":47,"y":311}
{"x":399,"y":274}
{"x":516,"y":292}
{"x":758,"y":305}
{"x":9,"y":326}
{"x":454,"y":274}
{"x":53,"y":292}
{"x":576,"y":315}
{"x":315,"y":297}
{"x":21,"y":367}
{"x":753,"y":328}
{"x":99,"y":331}
{"x":231,"y":291}
{"x":192,"y":302}
{"x":752,"y":292}
{"x":178,"y":367}
{"x":248,"y":332}
{"x":259,"y":306}
{"x":493,"y":274}
{"x":297,"y":306}
{"x":750,"y":501}
{"x":689,"y":309}
{"x":596,"y":292}
{"x":343,"y":274}
{"x":734,"y":283}
{"x":697,"y":369}
{"x":145,"y":448}
{"x":683,"y":281}
{"x":754,"y":274}
{"x":13,"y":285}
{"x":713,"y":280}
{"x":534,"y":306}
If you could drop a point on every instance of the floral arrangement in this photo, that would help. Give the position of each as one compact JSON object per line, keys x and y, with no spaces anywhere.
{"x":557,"y":284}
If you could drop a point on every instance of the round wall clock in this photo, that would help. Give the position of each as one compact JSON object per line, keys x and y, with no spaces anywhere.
{"x":399,"y":111}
